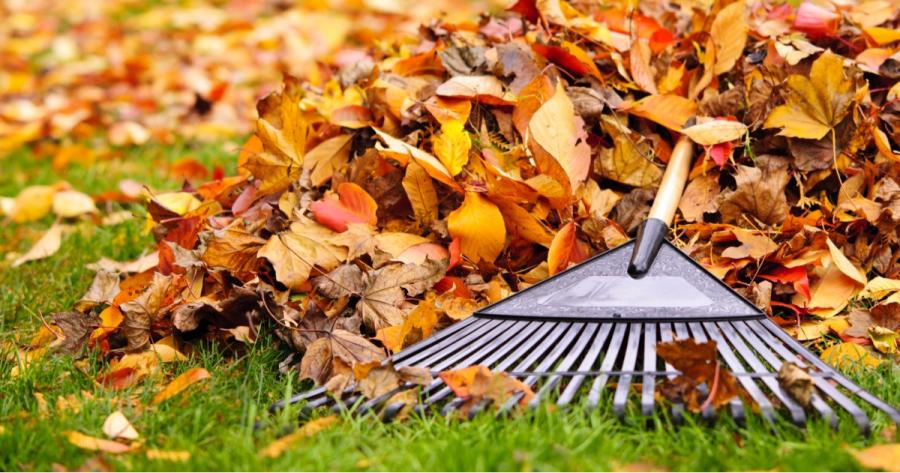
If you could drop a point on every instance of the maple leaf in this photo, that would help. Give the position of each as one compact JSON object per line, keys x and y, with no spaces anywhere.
{"x":814,"y":104}
{"x":338,"y":350}
{"x":759,"y":193}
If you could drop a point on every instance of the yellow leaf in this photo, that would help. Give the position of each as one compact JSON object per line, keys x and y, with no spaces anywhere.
{"x":479,"y":226}
{"x":627,"y":164}
{"x":452,"y":146}
{"x":883,"y":339}
{"x":830,"y":294}
{"x":421,"y":194}
{"x":401,"y":151}
{"x":808,"y":330}
{"x":883,"y":35}
{"x":180,"y":383}
{"x":729,"y":35}
{"x":715,"y":131}
{"x":849,"y":356}
{"x":33,"y":203}
{"x":279,"y":446}
{"x":87,"y":442}
{"x":849,"y":269}
{"x":879,"y":457}
{"x":880,"y":287}
{"x":294,"y":253}
{"x":816,"y":104}
{"x":68,"y":204}
{"x":48,"y":245}
{"x":168,"y":455}
{"x":178,"y":202}
{"x":553,"y":127}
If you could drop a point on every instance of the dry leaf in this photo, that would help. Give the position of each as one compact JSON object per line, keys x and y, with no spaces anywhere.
{"x":278,"y":447}
{"x":117,"y":425}
{"x":46,"y":246}
{"x":479,"y":226}
{"x":87,"y":442}
{"x":182,"y":382}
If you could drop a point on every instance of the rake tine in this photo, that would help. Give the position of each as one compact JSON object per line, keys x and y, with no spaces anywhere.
{"x":665,"y":334}
{"x":765,"y":406}
{"x":761,"y":348}
{"x":590,"y":358}
{"x":430,"y":357}
{"x":530,"y":340}
{"x":766,"y":332}
{"x":580,"y":343}
{"x":892,"y":412}
{"x":441,"y":337}
{"x":571,"y":330}
{"x":391,"y":411}
{"x":648,"y":383}
{"x":620,"y":398}
{"x":697,"y":330}
{"x":797,"y":413}
{"x":606,"y":365}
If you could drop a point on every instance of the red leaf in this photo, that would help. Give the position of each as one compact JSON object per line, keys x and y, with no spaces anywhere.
{"x":454,"y":284}
{"x":720,"y":153}
{"x":816,"y":21}
{"x":455,"y":253}
{"x":796,"y":276}
{"x":351,"y":205}
{"x":526,"y":8}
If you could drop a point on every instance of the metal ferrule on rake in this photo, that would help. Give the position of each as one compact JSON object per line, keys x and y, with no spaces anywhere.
{"x":590,"y":333}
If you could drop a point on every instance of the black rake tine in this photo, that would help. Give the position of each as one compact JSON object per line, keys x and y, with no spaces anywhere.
{"x":797,"y":413}
{"x":859,"y":416}
{"x":521,"y":350}
{"x":752,"y":389}
{"x":665,"y":335}
{"x":760,"y":347}
{"x":590,"y":358}
{"x":606,"y":365}
{"x":623,"y":387}
{"x":571,"y":330}
{"x":433,"y":354}
{"x":700,"y":335}
{"x":648,"y":383}
{"x":441,"y":336}
{"x":574,"y":353}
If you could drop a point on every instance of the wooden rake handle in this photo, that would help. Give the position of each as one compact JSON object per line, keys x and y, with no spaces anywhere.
{"x":653,"y":230}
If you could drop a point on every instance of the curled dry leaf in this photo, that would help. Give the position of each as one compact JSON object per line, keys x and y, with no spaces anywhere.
{"x":117,"y":426}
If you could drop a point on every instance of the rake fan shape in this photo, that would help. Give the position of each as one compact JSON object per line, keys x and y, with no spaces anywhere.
{"x":592,"y":329}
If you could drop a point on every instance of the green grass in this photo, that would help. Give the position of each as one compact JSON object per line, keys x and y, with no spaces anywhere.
{"x":215,"y":420}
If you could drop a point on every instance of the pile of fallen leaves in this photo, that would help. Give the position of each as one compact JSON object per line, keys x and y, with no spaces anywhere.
{"x":388,"y":197}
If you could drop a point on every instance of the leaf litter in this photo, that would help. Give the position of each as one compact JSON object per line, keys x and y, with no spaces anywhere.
{"x":385,"y":197}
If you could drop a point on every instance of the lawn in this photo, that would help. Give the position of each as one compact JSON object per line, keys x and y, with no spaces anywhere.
{"x":223,"y":423}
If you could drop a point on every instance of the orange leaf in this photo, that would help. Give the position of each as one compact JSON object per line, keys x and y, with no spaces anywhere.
{"x":479,"y":226}
{"x":670,"y":111}
{"x":353,"y":205}
{"x":180,"y":383}
{"x":87,"y":442}
{"x":563,"y":250}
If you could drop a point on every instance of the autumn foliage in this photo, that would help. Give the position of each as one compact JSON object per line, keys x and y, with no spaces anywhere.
{"x":384,"y":199}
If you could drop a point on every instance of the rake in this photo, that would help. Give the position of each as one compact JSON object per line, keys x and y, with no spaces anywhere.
{"x":594,"y":328}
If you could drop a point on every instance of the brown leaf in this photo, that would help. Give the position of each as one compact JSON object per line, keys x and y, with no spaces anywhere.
{"x":700,"y":197}
{"x":322,"y":355}
{"x":796,"y":382}
{"x":699,"y":364}
{"x":759,"y":193}
{"x":294,"y":253}
{"x":141,"y":312}
{"x":103,"y":289}
{"x":235,"y":249}
{"x":76,"y":327}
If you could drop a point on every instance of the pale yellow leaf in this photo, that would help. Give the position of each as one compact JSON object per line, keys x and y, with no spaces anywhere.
{"x":715,"y":131}
{"x":117,"y":425}
{"x":46,"y":246}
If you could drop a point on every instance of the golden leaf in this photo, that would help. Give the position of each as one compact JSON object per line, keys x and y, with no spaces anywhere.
{"x":421,"y":194}
{"x":554,"y":128}
{"x":452,"y":146}
{"x":729,"y":35}
{"x":479,"y":226}
{"x":814,"y":104}
{"x":295,"y":252}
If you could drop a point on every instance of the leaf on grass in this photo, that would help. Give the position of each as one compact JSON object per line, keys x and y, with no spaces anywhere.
{"x":175,"y":456}
{"x":814,"y":104}
{"x":796,"y":382}
{"x":281,"y":445}
{"x":87,"y":442}
{"x":849,"y":357}
{"x":76,"y":327}
{"x":103,"y":290}
{"x":879,"y":457}
{"x":479,"y":226}
{"x":180,"y":383}
{"x":351,"y":205}
{"x":475,"y":383}
{"x":71,"y":204}
{"x":46,"y":246}
{"x":32,"y":203}
{"x":117,"y":425}
{"x":698,"y":364}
